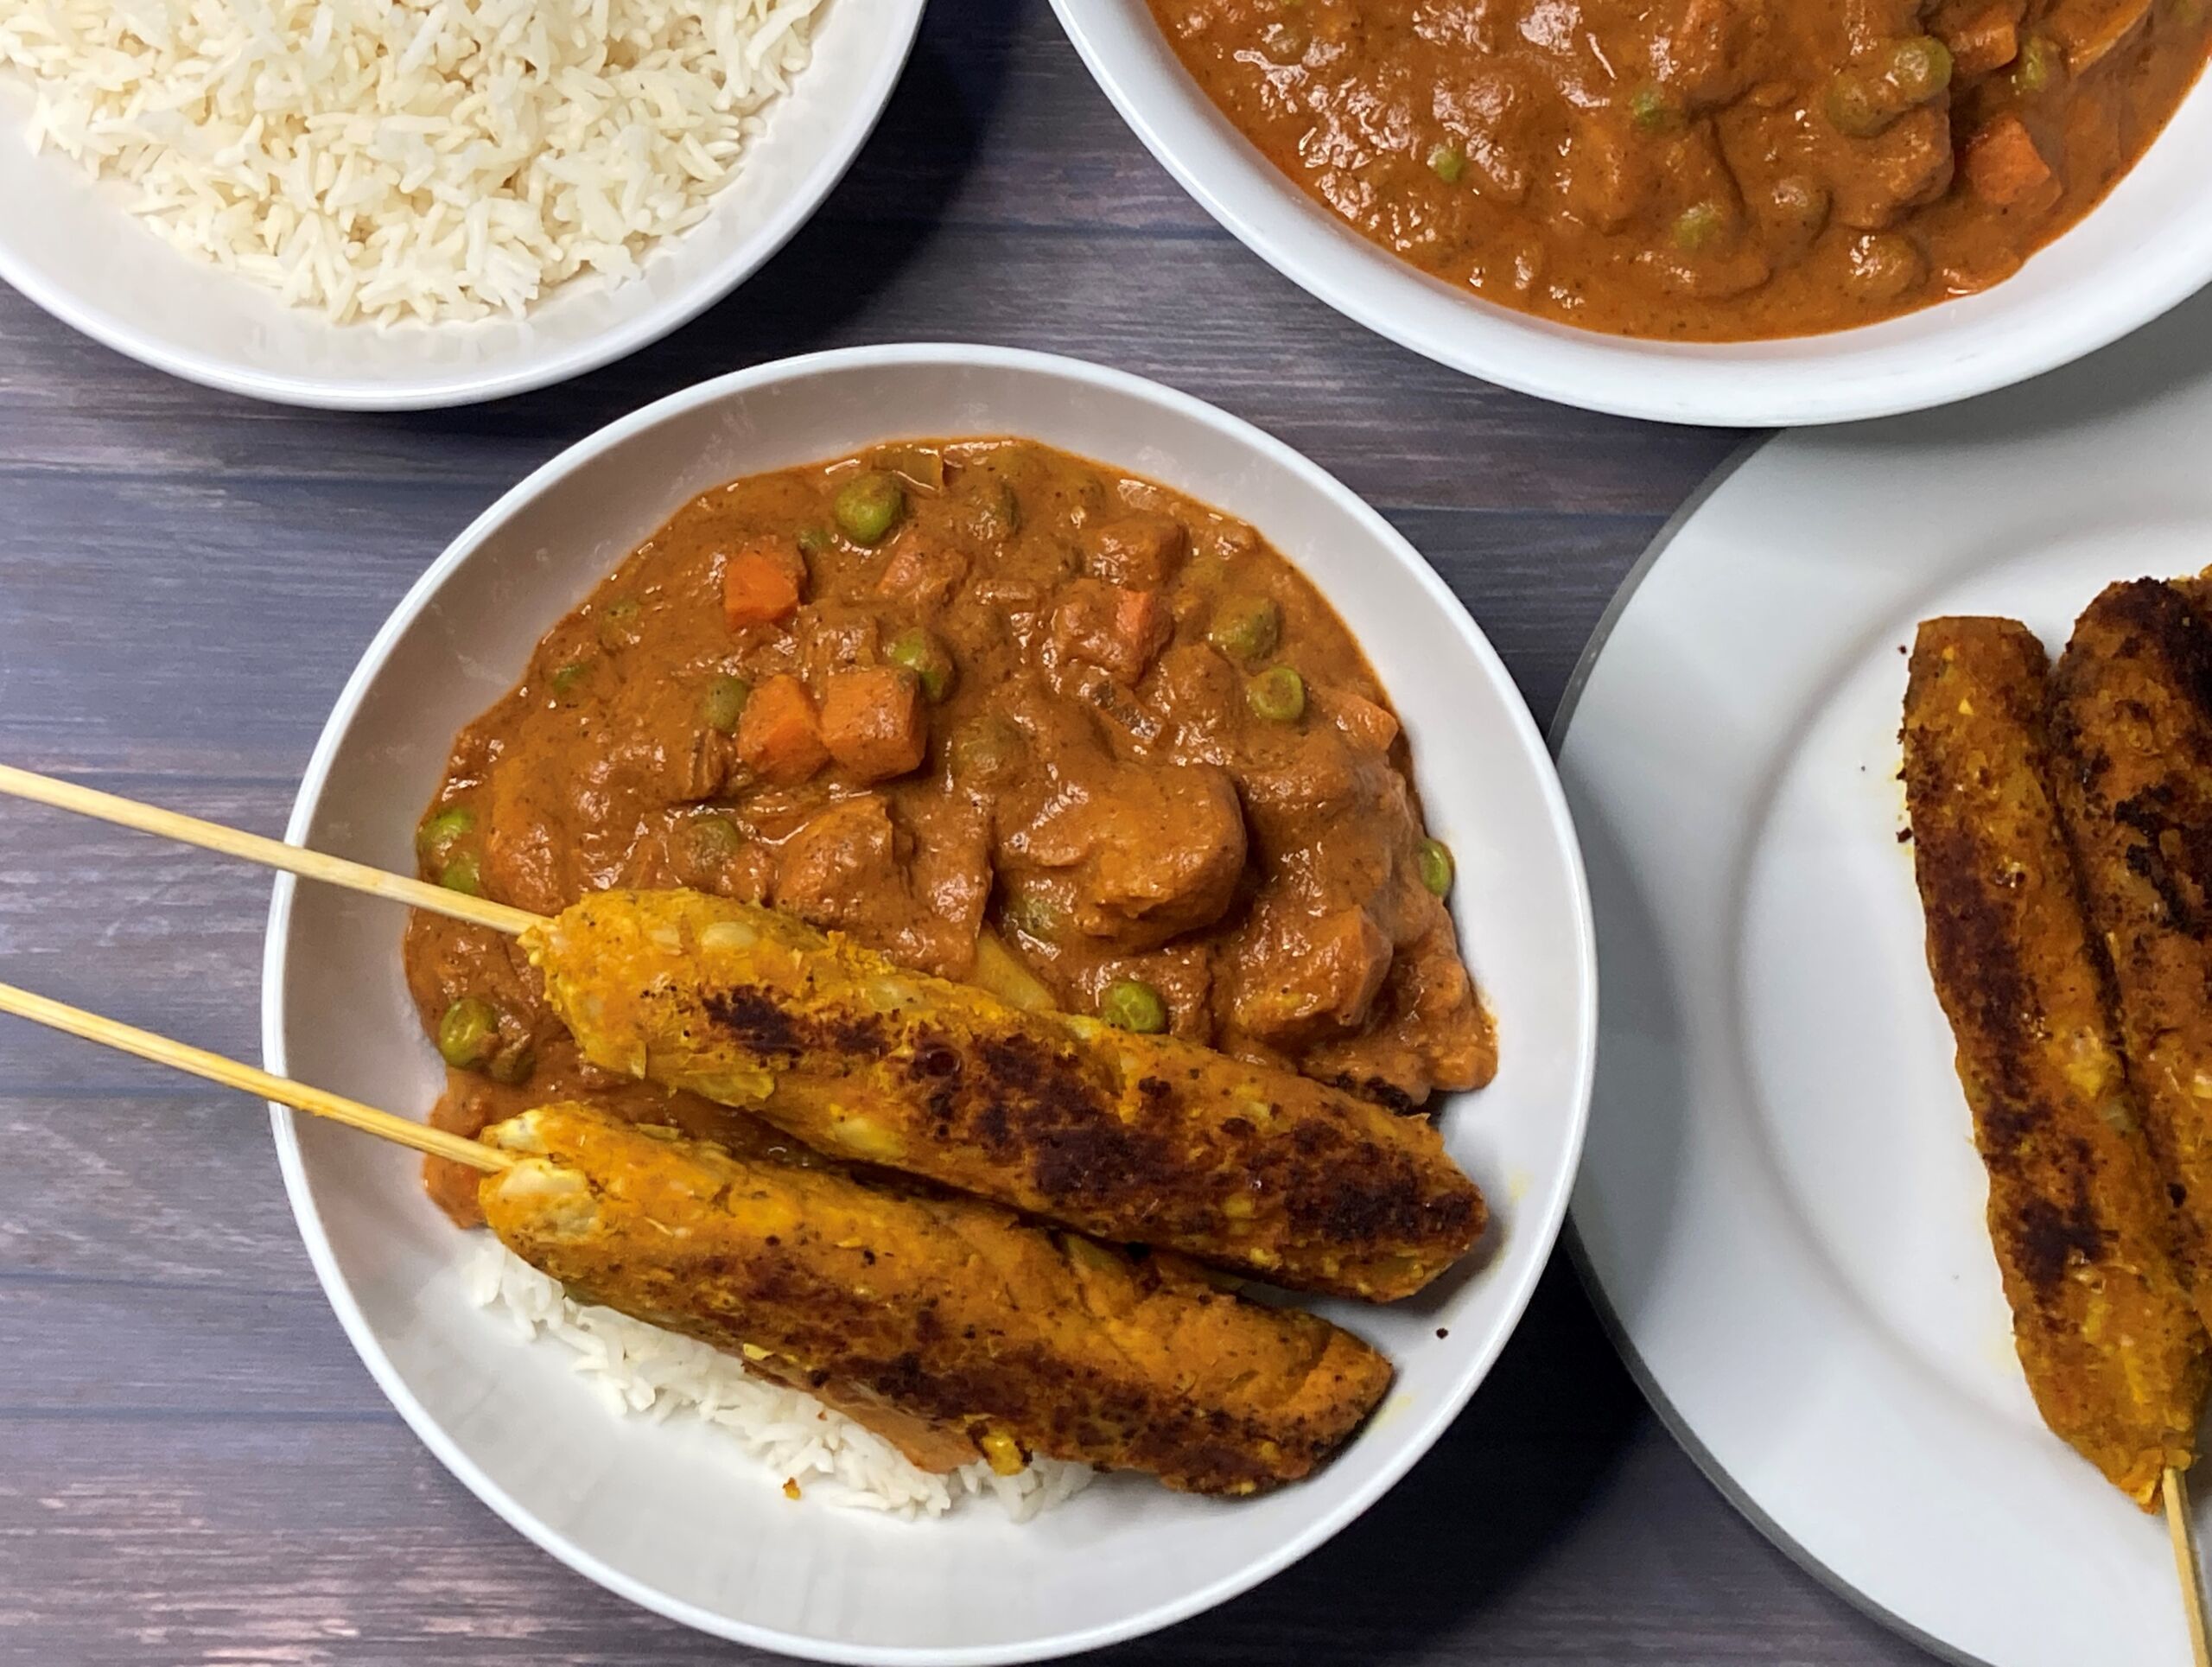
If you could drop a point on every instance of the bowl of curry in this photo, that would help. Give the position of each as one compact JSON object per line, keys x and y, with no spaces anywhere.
{"x":1037,"y":700}
{"x":1706,"y":211}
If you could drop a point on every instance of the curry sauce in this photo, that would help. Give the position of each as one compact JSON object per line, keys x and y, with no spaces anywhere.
{"x":997,"y":712}
{"x":1704,"y":171}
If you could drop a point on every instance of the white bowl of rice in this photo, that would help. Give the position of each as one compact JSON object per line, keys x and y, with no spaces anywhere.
{"x":393,"y":204}
{"x":651,"y":1464}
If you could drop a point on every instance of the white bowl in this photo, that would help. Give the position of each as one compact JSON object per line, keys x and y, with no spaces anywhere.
{"x":68,"y":242}
{"x":2145,"y":249}
{"x":664,"y":1514}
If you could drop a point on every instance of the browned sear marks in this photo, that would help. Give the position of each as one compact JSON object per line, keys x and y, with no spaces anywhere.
{"x":2131,"y":736}
{"x":945,"y":1312}
{"x":2115,"y":1354}
{"x":1133,"y":1139}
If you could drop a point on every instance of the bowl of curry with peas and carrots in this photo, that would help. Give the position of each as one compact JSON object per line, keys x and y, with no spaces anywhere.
{"x":972,"y":665}
{"x":1718,"y":211}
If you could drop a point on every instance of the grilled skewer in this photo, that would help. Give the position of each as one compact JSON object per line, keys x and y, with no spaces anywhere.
{"x":1127,"y":1137}
{"x":945,"y":1310}
{"x":1131,"y":1138}
{"x":2131,"y":731}
{"x":2113,"y":1352}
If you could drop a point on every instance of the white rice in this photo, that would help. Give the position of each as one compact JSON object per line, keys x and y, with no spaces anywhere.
{"x":394,"y":159}
{"x":643,"y":1370}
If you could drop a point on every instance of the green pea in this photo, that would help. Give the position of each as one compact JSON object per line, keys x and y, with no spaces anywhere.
{"x":2041,"y":63}
{"x":989,"y":750}
{"x":1884,"y":265}
{"x":1447,"y":163}
{"x":1798,"y":204}
{"x":1862,"y":103}
{"x":566,"y":678}
{"x":441,"y":830}
{"x":1434,"y":857}
{"x":513,"y":1065}
{"x":1035,"y":915}
{"x":812,"y":541}
{"x":869,"y":506}
{"x":1700,"y":226}
{"x":1133,"y":1004}
{"x":1246,"y":627}
{"x":1278,"y":694}
{"x":463,"y":873}
{"x":1650,"y":110}
{"x":1859,"y":104}
{"x":715,"y":839}
{"x":468,"y":1032}
{"x":926,"y":658}
{"x":1205,"y":570}
{"x":1920,"y":69}
{"x":724,"y":704}
{"x":618,"y":625}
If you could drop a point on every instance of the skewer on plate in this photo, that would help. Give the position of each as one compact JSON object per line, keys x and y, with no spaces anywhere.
{"x":2183,"y":1532}
{"x":2114,"y":1350}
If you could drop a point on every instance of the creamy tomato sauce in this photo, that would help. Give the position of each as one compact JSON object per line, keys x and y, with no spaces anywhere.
{"x":1701,"y":169}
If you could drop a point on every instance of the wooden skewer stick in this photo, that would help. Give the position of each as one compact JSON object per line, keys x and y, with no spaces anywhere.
{"x":2183,"y":1532}
{"x":232,"y":1074}
{"x":270,"y":853}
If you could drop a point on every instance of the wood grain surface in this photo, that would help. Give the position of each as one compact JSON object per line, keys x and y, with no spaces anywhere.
{"x":194,"y":1466}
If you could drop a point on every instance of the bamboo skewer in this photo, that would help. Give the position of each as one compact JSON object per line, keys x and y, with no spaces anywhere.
{"x":231,"y":1073}
{"x":2183,"y":1532}
{"x":270,"y":853}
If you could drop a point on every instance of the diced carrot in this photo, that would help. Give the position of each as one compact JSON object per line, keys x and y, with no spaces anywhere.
{"x":872,"y":721}
{"x":762,"y":584}
{"x":1106,"y":625}
{"x":2003,"y":165}
{"x":1141,"y":621}
{"x":779,"y":735}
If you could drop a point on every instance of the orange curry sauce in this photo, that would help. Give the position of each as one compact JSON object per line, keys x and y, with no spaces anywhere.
{"x":1707,"y":170}
{"x":966,"y":699}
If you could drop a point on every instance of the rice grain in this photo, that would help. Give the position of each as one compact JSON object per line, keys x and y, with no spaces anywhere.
{"x":396,"y":159}
{"x":639,"y":1370}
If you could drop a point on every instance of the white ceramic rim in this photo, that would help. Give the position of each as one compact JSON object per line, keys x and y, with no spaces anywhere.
{"x":1609,"y":1320}
{"x":1546,"y":1212}
{"x":2023,"y":505}
{"x":447,"y":390}
{"x":1707,"y":385}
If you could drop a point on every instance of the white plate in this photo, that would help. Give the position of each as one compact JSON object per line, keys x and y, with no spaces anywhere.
{"x":1782,"y":1205}
{"x":662,"y":1514}
{"x":68,"y":243}
{"x":2148,"y":246}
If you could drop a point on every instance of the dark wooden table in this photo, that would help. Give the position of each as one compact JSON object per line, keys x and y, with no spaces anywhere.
{"x":194,"y":1466}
